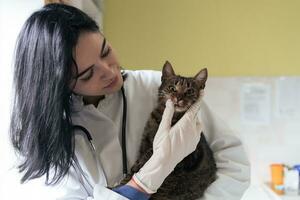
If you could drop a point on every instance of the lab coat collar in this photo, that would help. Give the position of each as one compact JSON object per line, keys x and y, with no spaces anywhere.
{"x":78,"y":104}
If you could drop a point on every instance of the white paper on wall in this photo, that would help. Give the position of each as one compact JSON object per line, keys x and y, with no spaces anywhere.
{"x":287,"y":100}
{"x":255,"y":103}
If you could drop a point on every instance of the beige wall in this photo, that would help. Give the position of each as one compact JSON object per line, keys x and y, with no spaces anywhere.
{"x":230,"y":37}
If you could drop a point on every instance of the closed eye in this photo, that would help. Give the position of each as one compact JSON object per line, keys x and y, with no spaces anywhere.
{"x":106,"y":52}
{"x":88,"y":75}
{"x":105,"y":49}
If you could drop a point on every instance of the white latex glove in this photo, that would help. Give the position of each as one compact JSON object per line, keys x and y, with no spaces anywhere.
{"x":170,"y":146}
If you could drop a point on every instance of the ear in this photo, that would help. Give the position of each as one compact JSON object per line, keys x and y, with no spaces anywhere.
{"x":167,"y":71}
{"x":201,"y":77}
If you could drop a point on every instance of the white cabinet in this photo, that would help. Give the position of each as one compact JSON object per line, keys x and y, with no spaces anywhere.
{"x":275,"y":196}
{"x":263,"y":192}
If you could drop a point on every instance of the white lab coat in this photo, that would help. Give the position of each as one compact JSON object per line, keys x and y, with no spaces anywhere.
{"x":104,"y":166}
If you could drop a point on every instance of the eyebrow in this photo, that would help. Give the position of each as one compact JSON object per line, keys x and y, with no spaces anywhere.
{"x":84,"y":71}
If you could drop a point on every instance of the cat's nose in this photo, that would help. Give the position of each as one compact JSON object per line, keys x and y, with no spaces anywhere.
{"x":174,"y":99}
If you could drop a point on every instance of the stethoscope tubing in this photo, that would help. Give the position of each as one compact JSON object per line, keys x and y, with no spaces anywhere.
{"x":124,"y":119}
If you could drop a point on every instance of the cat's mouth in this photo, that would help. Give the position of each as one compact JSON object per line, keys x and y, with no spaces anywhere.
{"x":181,"y":108}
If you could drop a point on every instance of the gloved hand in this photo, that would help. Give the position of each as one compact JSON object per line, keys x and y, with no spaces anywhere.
{"x":170,"y":146}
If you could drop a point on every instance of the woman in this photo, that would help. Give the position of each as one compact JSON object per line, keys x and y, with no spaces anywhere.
{"x":69,"y":113}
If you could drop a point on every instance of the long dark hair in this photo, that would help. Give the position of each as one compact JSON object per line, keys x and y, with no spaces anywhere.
{"x":41,"y":127}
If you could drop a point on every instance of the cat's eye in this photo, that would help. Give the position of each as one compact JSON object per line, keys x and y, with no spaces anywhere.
{"x":172,"y":88}
{"x":190,"y":92}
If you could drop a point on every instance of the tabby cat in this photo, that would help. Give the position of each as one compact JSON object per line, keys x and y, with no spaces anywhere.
{"x":195,"y":172}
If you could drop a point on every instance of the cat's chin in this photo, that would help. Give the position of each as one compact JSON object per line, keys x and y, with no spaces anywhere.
{"x":180,"y":109}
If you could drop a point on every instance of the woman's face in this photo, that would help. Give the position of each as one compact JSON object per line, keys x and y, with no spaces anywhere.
{"x":98,"y":68}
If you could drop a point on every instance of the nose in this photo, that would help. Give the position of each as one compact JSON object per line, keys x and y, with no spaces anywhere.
{"x":106,"y":71}
{"x":178,"y":101}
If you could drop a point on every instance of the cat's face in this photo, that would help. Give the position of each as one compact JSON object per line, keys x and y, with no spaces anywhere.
{"x":183,"y":91}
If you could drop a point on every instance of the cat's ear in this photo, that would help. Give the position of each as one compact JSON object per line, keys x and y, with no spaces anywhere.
{"x":201,"y":77}
{"x":167,"y":71}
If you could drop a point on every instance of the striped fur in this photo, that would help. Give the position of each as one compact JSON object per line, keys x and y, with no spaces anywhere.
{"x":193,"y":174}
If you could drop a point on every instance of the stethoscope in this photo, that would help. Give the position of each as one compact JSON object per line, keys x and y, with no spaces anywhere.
{"x":123,"y":143}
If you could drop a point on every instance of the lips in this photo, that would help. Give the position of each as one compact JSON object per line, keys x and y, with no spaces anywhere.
{"x":111,"y":82}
